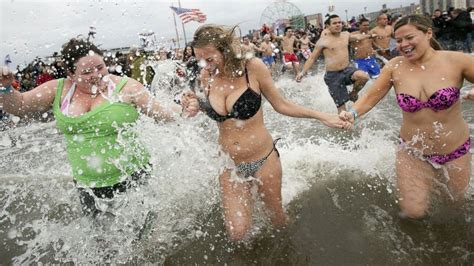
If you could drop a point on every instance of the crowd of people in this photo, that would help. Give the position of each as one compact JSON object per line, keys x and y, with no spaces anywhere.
{"x":227,"y":69}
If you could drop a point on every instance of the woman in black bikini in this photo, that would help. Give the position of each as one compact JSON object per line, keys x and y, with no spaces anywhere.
{"x":234,"y":88}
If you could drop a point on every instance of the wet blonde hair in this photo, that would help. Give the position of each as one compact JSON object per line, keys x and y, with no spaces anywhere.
{"x":224,"y":40}
{"x":422,"y":23}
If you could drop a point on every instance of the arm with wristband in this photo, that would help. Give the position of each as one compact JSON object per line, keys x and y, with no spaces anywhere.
{"x":374,"y":94}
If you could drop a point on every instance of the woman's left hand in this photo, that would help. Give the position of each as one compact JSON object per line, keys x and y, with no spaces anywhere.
{"x":469,"y":95}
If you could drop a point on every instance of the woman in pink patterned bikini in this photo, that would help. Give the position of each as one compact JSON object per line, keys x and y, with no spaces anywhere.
{"x":435,"y":139}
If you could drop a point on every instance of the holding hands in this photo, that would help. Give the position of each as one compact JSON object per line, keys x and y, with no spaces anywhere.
{"x":347,"y":116}
{"x":335,"y":121}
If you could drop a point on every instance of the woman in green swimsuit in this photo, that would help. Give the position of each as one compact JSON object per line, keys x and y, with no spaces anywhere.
{"x":93,"y":108}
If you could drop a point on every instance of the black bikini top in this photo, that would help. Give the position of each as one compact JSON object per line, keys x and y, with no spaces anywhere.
{"x":246,"y":106}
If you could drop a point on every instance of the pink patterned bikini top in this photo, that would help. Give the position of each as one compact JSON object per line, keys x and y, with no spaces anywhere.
{"x":440,"y":100}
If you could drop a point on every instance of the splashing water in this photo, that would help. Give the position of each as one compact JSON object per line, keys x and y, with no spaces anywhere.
{"x":337,"y":187}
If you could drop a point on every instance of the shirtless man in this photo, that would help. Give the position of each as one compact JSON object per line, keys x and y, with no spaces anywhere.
{"x":305,"y":42}
{"x":266,"y":48}
{"x":333,"y":44}
{"x":288,"y":42}
{"x":364,"y":53}
{"x":248,"y":47}
{"x":384,"y":34}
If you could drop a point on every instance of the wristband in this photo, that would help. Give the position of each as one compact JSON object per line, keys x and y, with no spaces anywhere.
{"x":354,"y":113}
{"x":5,"y":90}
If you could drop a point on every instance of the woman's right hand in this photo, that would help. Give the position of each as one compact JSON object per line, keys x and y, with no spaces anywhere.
{"x":6,"y":78}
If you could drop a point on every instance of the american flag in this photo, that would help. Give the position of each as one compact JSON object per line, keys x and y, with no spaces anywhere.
{"x":7,"y":60}
{"x":188,"y":14}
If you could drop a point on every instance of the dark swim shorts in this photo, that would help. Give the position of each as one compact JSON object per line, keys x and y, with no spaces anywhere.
{"x":337,"y":82}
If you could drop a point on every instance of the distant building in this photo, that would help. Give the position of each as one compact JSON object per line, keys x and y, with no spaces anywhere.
{"x":428,"y":6}
{"x":314,"y":19}
{"x":402,"y":10}
{"x":113,"y":51}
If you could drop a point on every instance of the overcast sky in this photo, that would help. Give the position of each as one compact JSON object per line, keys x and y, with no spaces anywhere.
{"x":39,"y":27}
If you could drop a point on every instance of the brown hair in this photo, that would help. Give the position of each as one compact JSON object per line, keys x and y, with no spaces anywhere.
{"x":422,"y":23}
{"x":225,"y":41}
{"x":76,"y":49}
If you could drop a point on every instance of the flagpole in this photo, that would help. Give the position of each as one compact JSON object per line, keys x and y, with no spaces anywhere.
{"x":176,"y":28}
{"x":184,"y":31}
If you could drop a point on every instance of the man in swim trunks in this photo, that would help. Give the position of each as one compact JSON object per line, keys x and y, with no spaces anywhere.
{"x":364,"y":53}
{"x":288,"y":44}
{"x":384,"y":33}
{"x":333,"y":44}
{"x":266,"y":48}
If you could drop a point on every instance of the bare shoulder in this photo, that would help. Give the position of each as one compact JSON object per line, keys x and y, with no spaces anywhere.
{"x":255,"y":64}
{"x":51,"y":85}
{"x":454,"y":55}
{"x":457,"y":58}
{"x":132,"y":85}
{"x":394,"y":63}
{"x":258,"y":70}
{"x":321,"y":42}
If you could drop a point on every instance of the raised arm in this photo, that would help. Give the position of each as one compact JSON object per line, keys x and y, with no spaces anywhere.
{"x":355,"y":37}
{"x":37,"y":100}
{"x":282,"y":105}
{"x":309,"y":63}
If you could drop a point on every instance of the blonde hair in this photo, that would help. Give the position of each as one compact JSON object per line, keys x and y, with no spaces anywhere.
{"x":422,"y":23}
{"x":224,"y":40}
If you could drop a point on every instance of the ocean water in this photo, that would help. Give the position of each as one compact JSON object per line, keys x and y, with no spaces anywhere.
{"x":338,"y":189}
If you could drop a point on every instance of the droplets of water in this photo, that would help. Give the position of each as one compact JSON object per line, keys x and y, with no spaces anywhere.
{"x":12,"y":234}
{"x":95,"y":162}
{"x":15,"y":119}
{"x":249,"y":55}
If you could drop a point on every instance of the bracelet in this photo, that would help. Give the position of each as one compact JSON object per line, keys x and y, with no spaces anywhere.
{"x":354,"y":113}
{"x":5,"y":90}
